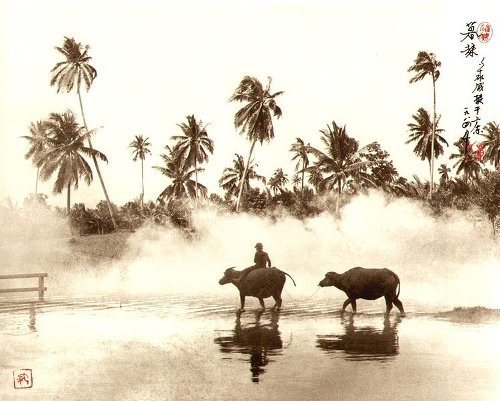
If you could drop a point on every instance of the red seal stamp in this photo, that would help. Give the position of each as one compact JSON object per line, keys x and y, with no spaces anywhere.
{"x":480,"y":152}
{"x":484,"y":32}
{"x":23,"y":378}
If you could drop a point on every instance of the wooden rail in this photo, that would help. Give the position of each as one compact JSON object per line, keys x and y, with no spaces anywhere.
{"x":41,"y":289}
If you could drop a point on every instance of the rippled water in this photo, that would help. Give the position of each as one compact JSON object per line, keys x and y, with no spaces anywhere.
{"x":200,"y":348}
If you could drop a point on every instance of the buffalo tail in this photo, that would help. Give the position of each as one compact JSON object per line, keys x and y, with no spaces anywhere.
{"x":286,"y":274}
{"x":399,"y":284}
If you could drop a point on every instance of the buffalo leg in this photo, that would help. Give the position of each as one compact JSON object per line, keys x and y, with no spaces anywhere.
{"x":278,"y":300}
{"x":347,"y":302}
{"x":353,"y":304}
{"x":242,"y":302}
{"x":399,"y":305}
{"x":261,"y":300}
{"x":388,"y":304}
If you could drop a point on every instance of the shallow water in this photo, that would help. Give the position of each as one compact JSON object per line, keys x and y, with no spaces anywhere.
{"x":200,"y":348}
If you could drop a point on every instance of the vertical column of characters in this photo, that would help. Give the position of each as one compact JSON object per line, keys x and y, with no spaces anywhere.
{"x":472,"y":122}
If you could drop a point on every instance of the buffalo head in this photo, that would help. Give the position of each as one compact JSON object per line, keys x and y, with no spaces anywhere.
{"x":229,"y":276}
{"x":329,"y":280}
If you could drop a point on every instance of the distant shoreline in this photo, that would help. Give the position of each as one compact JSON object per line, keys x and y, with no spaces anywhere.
{"x":476,"y":314}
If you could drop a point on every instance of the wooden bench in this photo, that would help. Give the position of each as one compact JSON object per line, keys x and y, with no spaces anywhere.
{"x":41,"y":289}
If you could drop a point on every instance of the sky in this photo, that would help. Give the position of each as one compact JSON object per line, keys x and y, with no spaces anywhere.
{"x":159,"y":61}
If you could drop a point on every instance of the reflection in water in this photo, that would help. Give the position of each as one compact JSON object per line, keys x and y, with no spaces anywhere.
{"x":363,"y":343}
{"x":32,"y":315}
{"x":259,"y":340}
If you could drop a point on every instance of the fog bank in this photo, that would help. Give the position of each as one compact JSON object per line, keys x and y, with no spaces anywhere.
{"x":449,"y":260}
{"x":444,"y":261}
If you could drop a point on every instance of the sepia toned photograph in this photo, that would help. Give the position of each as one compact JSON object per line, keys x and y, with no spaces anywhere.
{"x":239,"y":200}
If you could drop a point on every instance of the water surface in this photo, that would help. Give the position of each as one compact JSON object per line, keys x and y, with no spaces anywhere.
{"x":200,"y":348}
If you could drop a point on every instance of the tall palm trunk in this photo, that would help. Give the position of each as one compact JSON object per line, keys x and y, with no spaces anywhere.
{"x":36,"y":183}
{"x":248,"y":161}
{"x":433,"y":135}
{"x":195,"y":178}
{"x":244,"y":175}
{"x":68,"y":199}
{"x":303,"y":171}
{"x":115,"y":226}
{"x":142,"y":181}
{"x":337,"y":205}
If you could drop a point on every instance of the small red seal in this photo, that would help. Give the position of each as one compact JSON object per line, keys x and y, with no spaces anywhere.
{"x":480,"y":152}
{"x":484,"y":32}
{"x":23,"y":378}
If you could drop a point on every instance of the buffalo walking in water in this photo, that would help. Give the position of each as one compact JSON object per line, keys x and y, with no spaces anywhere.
{"x":366,"y":284}
{"x":259,"y":283}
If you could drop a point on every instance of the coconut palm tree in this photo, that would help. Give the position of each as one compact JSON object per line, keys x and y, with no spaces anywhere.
{"x":65,"y":153}
{"x":296,"y":181}
{"x":467,"y":161}
{"x":178,"y":169}
{"x":428,"y":138}
{"x":140,"y":150}
{"x":492,"y":143}
{"x":315,"y":178}
{"x":37,"y":140}
{"x":302,"y":156}
{"x":68,"y":75}
{"x":340,"y":161}
{"x":232,"y":177}
{"x":278,"y":181}
{"x":194,"y":144}
{"x":255,"y":118}
{"x":426,"y":64}
{"x":444,"y":173}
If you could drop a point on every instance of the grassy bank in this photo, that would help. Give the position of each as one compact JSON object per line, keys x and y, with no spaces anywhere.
{"x":96,"y":249}
{"x":476,"y":314}
{"x":62,"y":252}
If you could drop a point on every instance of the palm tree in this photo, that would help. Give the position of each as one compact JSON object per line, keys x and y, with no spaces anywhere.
{"x":37,"y":140}
{"x":255,"y":118}
{"x":316,"y":178}
{"x":178,"y":169}
{"x":194,"y":144}
{"x":444,"y":173}
{"x":492,"y":143}
{"x":426,"y":64}
{"x":302,"y":157}
{"x":65,"y":153}
{"x":340,"y":160}
{"x":296,"y":180}
{"x":69,"y":74}
{"x":427,"y":137}
{"x":232,"y":177}
{"x":140,"y":150}
{"x":467,"y":161}
{"x":278,"y":181}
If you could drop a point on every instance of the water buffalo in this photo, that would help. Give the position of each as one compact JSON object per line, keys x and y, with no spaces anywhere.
{"x":366,"y":284}
{"x":259,"y":283}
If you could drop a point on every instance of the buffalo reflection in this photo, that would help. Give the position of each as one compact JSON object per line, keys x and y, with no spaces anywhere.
{"x":363,"y":343}
{"x":259,"y":341}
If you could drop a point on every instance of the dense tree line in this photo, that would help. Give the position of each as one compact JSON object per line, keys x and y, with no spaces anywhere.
{"x":326,"y":174}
